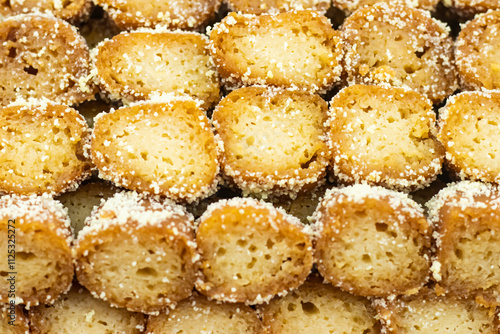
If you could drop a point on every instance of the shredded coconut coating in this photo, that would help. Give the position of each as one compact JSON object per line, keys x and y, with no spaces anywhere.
{"x":297,"y":49}
{"x":466,"y":9}
{"x":277,"y":6}
{"x":274,"y":140}
{"x":48,"y":58}
{"x":241,"y":241}
{"x":477,"y":51}
{"x":402,"y":46}
{"x":384,"y":135}
{"x":350,"y":6}
{"x":172,"y":14}
{"x":469,"y":129}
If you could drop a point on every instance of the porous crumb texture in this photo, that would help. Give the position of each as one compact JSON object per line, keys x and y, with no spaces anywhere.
{"x":131,"y":66}
{"x":73,"y":11}
{"x":350,"y":6}
{"x":81,"y":202}
{"x":401,"y":46}
{"x":21,"y":322}
{"x":469,"y":129}
{"x":293,"y":49}
{"x":384,"y":136}
{"x":198,"y":315}
{"x":466,"y":216}
{"x":137,"y":252}
{"x":428,"y":313}
{"x":317,"y":308}
{"x":274,"y":140}
{"x":174,"y":14}
{"x":43,"y":262}
{"x":43,"y":57}
{"x":165,"y":148}
{"x":251,"y":251}
{"x":372,"y":241}
{"x":43,"y":148}
{"x":276,"y":6}
{"x":79,"y":312}
{"x":478,"y":52}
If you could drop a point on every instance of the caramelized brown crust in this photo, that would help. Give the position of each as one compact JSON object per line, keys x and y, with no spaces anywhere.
{"x":79,"y":312}
{"x":174,"y":14}
{"x":372,"y":241}
{"x":467,"y":221}
{"x":251,"y":251}
{"x":428,"y":313}
{"x":73,"y":11}
{"x":294,"y":49}
{"x":13,"y":320}
{"x":43,"y":259}
{"x":477,"y":50}
{"x":317,"y":308}
{"x":274,"y":140}
{"x":276,"y":6}
{"x":59,"y":72}
{"x":137,"y":252}
{"x":401,"y":46}
{"x":43,"y":149}
{"x":133,"y":66}
{"x":198,"y":315}
{"x":164,"y":148}
{"x":350,"y":6}
{"x":469,"y":131}
{"x":384,"y":136}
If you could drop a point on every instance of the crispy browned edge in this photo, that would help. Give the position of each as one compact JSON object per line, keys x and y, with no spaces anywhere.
{"x":332,"y":223}
{"x":230,"y":71}
{"x":211,"y":227}
{"x":75,"y":12}
{"x":322,"y":157}
{"x":21,"y":324}
{"x":67,"y":181}
{"x":181,"y":237}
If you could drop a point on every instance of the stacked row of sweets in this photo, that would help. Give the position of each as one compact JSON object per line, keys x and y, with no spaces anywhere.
{"x":236,"y":198}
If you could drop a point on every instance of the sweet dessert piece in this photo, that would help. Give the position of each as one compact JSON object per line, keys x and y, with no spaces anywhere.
{"x":371,"y":241}
{"x":137,"y":252}
{"x":477,"y":52}
{"x":82,"y":201}
{"x":274,"y":140}
{"x":350,"y":6}
{"x":79,"y":312}
{"x":133,"y":66}
{"x":165,"y":148}
{"x":178,"y":14}
{"x":466,"y":216}
{"x":428,"y":313}
{"x":317,"y":308}
{"x":466,"y":9}
{"x":297,"y":49}
{"x":36,"y":237}
{"x":197,"y":315}
{"x":90,"y":109}
{"x":401,"y":46}
{"x":73,"y":11}
{"x":251,"y":251}
{"x":13,"y":320}
{"x":469,"y":129}
{"x":43,"y":57}
{"x":43,"y":148}
{"x":384,"y":136}
{"x":276,"y":6}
